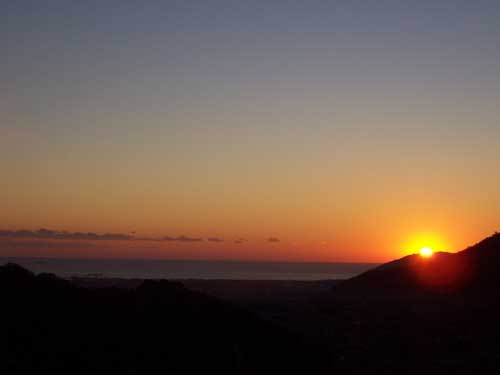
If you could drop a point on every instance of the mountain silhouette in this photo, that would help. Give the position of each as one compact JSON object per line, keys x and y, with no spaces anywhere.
{"x":413,"y":315}
{"x":473,"y":269}
{"x":54,"y":326}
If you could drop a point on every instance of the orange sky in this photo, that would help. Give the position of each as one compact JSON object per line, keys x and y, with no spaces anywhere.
{"x":348,"y":132}
{"x":360,"y":199}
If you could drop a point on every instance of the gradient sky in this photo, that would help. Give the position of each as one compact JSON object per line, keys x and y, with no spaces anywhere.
{"x":349,"y":130}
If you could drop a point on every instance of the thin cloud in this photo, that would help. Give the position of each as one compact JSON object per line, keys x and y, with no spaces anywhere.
{"x":63,"y":235}
{"x":240,"y":240}
{"x":215,"y":239}
{"x":273,"y":239}
{"x":182,"y":239}
{"x":48,"y":234}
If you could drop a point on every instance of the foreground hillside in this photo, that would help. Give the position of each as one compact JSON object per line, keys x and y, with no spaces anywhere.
{"x":52,"y":326}
{"x":409,"y":316}
{"x":417,"y":315}
{"x":473,"y":270}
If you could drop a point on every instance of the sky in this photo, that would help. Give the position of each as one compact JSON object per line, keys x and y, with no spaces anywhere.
{"x":287,"y":130}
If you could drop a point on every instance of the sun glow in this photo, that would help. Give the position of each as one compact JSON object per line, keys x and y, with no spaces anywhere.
{"x":426,"y":252}
{"x":425,"y":244}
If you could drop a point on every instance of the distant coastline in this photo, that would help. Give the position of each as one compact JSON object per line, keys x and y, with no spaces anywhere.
{"x":190,"y":269}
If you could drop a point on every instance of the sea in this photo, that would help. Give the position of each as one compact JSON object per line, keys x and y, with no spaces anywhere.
{"x":190,"y":269}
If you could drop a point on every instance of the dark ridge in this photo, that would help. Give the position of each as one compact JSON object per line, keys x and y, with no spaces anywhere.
{"x":409,"y":316}
{"x":14,"y":272}
{"x":472,"y":269}
{"x":54,"y":326}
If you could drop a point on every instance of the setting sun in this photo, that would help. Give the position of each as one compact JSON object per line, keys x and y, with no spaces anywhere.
{"x":425,"y":244}
{"x":426,"y":252}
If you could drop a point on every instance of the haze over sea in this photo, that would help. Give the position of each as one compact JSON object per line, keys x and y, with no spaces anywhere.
{"x":188,"y":269}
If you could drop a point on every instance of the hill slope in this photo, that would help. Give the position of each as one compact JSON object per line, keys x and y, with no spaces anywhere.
{"x":53,"y":326}
{"x":473,"y":269}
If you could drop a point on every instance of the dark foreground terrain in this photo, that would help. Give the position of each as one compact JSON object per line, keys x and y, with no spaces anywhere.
{"x":411,"y":316}
{"x":53,"y":326}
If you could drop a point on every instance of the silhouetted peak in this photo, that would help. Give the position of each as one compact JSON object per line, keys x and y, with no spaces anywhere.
{"x":15,"y":272}
{"x":51,"y":279}
{"x":475,"y":267}
{"x":491,"y":243}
